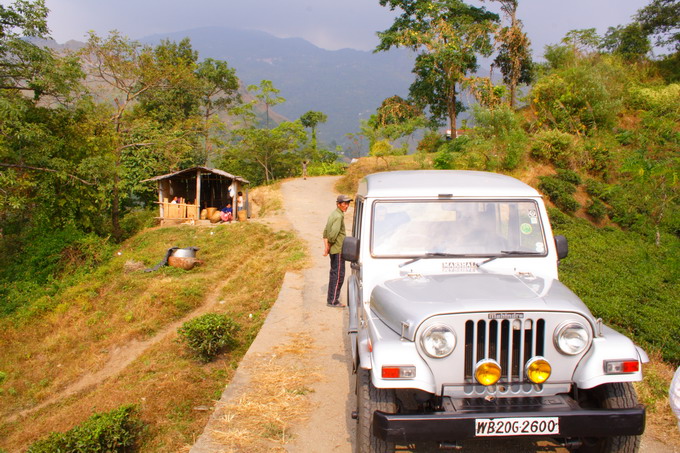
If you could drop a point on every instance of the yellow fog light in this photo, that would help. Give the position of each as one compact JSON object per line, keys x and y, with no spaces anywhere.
{"x":488,"y":372}
{"x":538,"y":370}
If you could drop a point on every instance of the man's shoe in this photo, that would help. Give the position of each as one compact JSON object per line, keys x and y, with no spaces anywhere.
{"x":336,"y":305}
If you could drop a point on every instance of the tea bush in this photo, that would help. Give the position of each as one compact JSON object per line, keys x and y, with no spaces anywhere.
{"x":596,"y":209}
{"x":553,"y":146}
{"x":626,"y":279}
{"x":208,"y":335}
{"x":569,"y":176}
{"x":114,"y":431}
{"x":560,"y":192}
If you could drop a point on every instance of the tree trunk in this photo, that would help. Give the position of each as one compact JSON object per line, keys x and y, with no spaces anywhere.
{"x":452,"y":112}
{"x":115,"y":208}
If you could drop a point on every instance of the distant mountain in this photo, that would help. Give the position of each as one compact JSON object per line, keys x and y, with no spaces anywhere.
{"x":347,"y":85}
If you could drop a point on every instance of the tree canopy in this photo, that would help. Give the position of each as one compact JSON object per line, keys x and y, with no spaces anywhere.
{"x":448,"y":35}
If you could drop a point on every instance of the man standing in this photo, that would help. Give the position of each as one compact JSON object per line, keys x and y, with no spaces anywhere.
{"x":333,"y":235}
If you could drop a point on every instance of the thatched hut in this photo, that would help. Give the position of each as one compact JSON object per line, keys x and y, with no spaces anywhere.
{"x":195,"y":193}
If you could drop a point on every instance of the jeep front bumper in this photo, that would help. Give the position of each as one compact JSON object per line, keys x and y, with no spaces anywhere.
{"x":458,"y":421}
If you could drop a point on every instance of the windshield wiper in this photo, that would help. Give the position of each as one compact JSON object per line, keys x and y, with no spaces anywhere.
{"x":435,"y":255}
{"x":512,"y":253}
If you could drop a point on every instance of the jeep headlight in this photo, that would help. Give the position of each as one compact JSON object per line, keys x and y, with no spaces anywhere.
{"x":438,"y":341}
{"x":572,"y":337}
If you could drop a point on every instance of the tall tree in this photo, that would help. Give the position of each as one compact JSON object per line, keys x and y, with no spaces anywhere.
{"x":629,"y":41}
{"x":268,"y":95}
{"x":218,"y":92}
{"x":268,"y":149}
{"x":661,"y":19}
{"x":129,"y":71}
{"x":448,"y":35}
{"x":514,"y":51}
{"x":312,"y":119}
{"x":41,"y":147}
{"x":25,"y":66}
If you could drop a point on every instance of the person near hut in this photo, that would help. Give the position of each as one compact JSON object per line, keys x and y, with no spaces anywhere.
{"x":174,"y":201}
{"x":240,"y":207}
{"x":227,"y":213}
{"x":304,"y":168}
{"x":333,"y":236}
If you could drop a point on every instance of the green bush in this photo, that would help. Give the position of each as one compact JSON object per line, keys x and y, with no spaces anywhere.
{"x":114,"y":431}
{"x":596,"y":209}
{"x":596,"y":189}
{"x":137,"y":220}
{"x":660,"y":100}
{"x":494,"y":123}
{"x":208,"y":335}
{"x":578,"y":99}
{"x":560,"y":192}
{"x":430,"y":142}
{"x":553,"y":146}
{"x":569,"y":176}
{"x":325,"y":168}
{"x":604,"y":269}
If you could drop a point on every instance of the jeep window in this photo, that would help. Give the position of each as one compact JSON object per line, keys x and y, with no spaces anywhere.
{"x":453,"y":227}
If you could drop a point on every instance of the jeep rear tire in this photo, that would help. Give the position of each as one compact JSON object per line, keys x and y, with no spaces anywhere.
{"x":369,"y":400}
{"x":620,"y":395}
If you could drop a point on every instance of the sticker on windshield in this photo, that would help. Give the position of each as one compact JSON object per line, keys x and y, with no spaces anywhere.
{"x":525,"y":228}
{"x":540,"y":248}
{"x":533,"y":218}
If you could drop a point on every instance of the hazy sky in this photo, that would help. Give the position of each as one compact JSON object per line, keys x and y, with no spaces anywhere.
{"x":330,"y":24}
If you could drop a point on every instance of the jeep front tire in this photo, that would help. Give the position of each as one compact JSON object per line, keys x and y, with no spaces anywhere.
{"x":369,"y":400}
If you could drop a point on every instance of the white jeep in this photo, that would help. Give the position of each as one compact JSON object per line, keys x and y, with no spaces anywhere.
{"x":460,"y":328}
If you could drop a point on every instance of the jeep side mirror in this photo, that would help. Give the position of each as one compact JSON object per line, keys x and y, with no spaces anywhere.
{"x":350,"y":249}
{"x":562,"y":246}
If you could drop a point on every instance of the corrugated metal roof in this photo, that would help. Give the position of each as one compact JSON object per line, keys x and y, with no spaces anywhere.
{"x":432,"y":183}
{"x":203,"y":169}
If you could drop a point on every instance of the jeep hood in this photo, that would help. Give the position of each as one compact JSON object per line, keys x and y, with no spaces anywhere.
{"x":404,"y":303}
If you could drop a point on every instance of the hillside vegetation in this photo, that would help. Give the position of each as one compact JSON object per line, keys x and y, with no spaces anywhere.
{"x":62,"y":342}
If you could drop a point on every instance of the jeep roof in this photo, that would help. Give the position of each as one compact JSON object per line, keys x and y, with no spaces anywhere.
{"x":433,"y":183}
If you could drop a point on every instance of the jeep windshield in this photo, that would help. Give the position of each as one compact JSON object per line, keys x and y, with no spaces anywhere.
{"x":455,"y":228}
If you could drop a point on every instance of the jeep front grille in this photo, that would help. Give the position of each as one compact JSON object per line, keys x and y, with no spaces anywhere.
{"x":510,"y":342}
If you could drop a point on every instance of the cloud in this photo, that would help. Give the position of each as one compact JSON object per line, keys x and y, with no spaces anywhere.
{"x":326,"y":23}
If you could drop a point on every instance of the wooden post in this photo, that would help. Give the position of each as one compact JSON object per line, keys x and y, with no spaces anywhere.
{"x":160,"y":198}
{"x":198,"y":193}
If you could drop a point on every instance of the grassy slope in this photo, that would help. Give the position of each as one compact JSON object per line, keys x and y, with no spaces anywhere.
{"x":73,"y":333}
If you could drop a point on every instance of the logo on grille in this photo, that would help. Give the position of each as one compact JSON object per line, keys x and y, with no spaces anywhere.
{"x":506,"y":315}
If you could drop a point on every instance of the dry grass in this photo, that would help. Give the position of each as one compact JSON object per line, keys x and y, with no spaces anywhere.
{"x":266,"y":200}
{"x":653,"y":393}
{"x":261,"y":420}
{"x":88,"y":327}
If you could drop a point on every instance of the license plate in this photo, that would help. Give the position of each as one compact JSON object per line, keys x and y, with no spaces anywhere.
{"x":518,"y":426}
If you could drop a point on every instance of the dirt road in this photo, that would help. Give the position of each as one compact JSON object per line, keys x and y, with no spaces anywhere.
{"x":301,"y":307}
{"x":325,"y":426}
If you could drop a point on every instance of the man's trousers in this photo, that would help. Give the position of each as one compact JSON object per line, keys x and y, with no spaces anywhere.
{"x":336,"y":278}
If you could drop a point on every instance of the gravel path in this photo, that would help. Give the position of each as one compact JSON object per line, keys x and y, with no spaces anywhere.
{"x":301,"y":307}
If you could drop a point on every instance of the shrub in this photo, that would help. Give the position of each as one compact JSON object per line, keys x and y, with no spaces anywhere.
{"x":577,"y":99}
{"x":208,"y":335}
{"x":430,"y":142}
{"x":513,"y":155}
{"x":325,"y":168}
{"x":137,"y":220}
{"x":569,"y":176}
{"x":553,"y":146}
{"x":114,"y":431}
{"x":596,"y":189}
{"x":494,"y":123}
{"x":596,"y":209}
{"x":661,"y":100}
{"x":560,"y":192}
